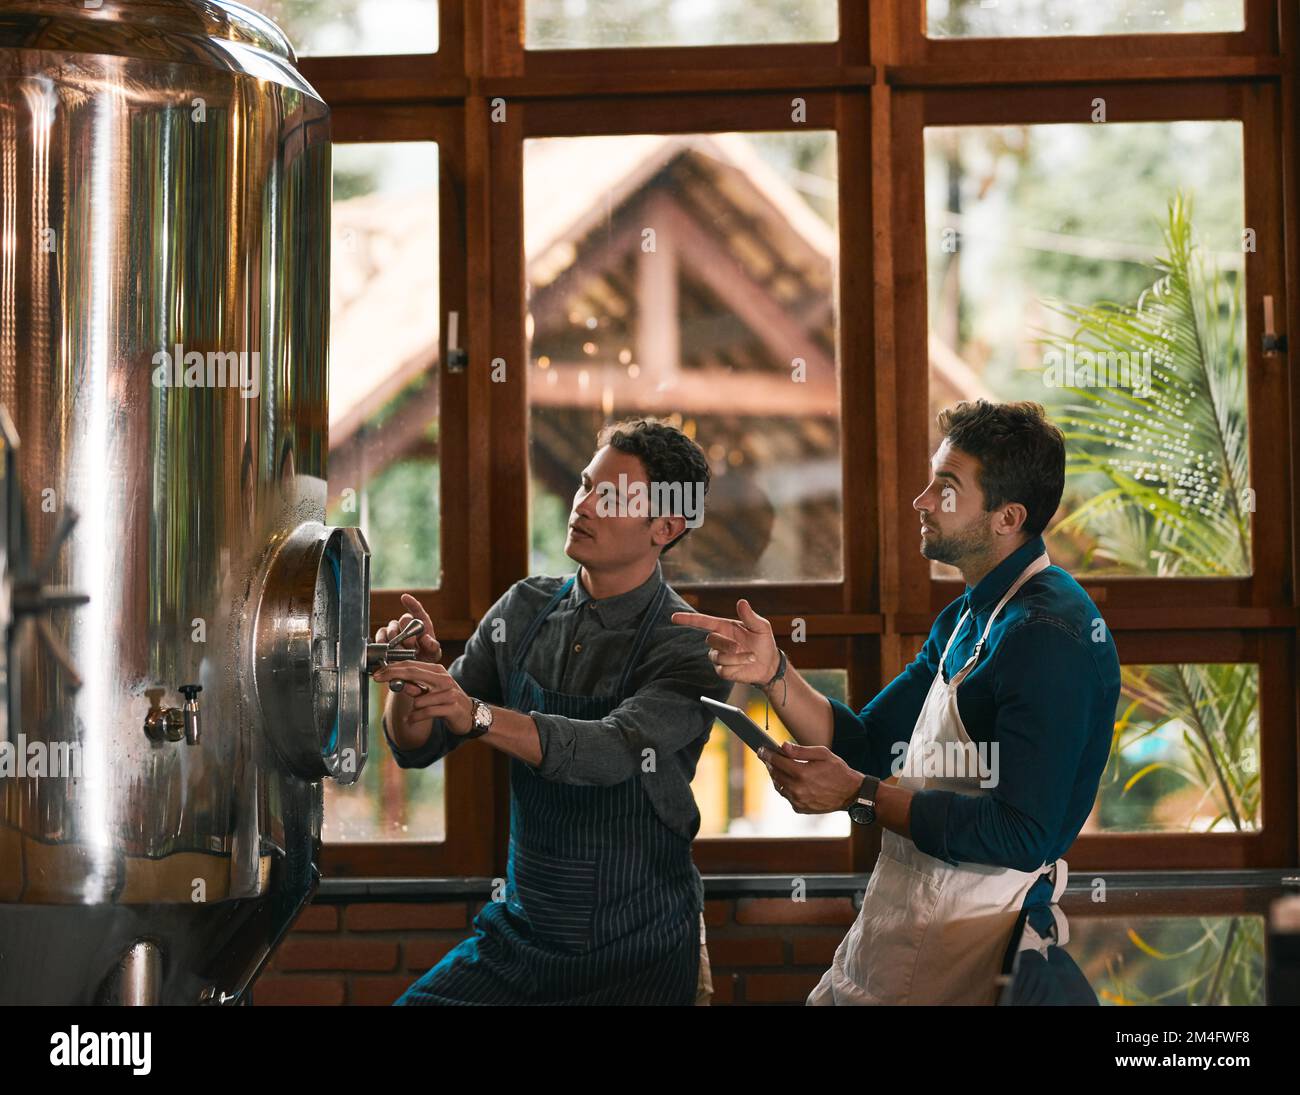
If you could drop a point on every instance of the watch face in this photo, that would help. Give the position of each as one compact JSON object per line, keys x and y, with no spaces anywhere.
{"x":482,"y":715}
{"x":862,"y":813}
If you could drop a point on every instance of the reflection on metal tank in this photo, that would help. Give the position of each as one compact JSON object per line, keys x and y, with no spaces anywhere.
{"x":164,"y":222}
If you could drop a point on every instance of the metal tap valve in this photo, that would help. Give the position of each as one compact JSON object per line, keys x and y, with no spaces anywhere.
{"x":191,"y":712}
{"x":173,"y":723}
{"x":379,"y":655}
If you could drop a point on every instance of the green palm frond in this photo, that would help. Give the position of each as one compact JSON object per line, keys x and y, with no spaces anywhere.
{"x":1162,"y":480}
{"x":1167,"y":467}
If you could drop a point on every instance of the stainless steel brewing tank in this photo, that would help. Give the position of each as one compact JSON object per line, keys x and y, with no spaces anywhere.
{"x":164,"y":265}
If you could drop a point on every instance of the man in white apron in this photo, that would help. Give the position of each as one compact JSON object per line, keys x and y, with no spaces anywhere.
{"x":998,"y":731}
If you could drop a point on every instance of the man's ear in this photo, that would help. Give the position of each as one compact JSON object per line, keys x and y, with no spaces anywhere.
{"x":668,"y":528}
{"x":1011,"y":519}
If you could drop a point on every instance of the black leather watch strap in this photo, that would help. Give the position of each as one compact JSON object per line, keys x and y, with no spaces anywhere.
{"x":862,"y":808}
{"x":870,"y":785}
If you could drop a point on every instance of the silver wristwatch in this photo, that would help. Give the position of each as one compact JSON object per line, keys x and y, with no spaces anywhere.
{"x":482,"y":720}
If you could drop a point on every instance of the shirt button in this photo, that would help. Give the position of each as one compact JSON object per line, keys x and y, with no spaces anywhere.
{"x":577,"y":648}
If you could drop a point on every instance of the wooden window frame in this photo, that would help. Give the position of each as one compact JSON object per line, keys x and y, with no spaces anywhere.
{"x":1255,"y":612}
{"x":877,"y":87}
{"x":1273,"y":845}
{"x":596,"y":71}
{"x":1256,"y":599}
{"x":839,"y":608}
{"x":468,"y":847}
{"x":1040,"y":60}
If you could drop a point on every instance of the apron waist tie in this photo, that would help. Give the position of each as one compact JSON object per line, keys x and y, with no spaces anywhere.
{"x":1059,"y":872}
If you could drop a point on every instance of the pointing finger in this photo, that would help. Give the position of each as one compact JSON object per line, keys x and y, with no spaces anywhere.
{"x":418,"y":611}
{"x":704,"y":622}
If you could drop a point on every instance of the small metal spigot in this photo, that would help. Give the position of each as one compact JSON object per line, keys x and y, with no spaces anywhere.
{"x":173,"y":723}
{"x":410,"y":631}
{"x":379,"y":655}
{"x":191,"y":712}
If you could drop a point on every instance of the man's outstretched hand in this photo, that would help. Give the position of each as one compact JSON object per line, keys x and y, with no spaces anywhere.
{"x":742,"y":649}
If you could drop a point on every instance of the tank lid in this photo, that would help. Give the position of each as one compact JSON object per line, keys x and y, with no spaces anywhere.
{"x":135,"y":28}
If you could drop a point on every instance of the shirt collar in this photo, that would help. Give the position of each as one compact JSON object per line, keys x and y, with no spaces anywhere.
{"x":997,"y":581}
{"x":623,"y":609}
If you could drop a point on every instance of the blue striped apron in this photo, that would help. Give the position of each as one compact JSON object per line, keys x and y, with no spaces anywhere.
{"x":602,"y":900}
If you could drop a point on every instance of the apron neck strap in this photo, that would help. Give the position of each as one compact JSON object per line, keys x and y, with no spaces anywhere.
{"x":1040,"y":562}
{"x":527,"y":641}
{"x":643,"y":633}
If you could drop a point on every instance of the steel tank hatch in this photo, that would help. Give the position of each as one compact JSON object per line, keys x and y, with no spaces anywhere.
{"x":185,"y":637}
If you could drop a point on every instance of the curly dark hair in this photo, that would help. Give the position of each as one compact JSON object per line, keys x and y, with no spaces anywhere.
{"x":668,"y":454}
{"x":1021,"y":454}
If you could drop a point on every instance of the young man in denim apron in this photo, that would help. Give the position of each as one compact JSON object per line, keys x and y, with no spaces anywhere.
{"x":998,"y":731}
{"x":593,"y":693}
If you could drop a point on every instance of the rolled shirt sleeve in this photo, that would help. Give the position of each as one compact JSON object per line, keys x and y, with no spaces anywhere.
{"x":1046,"y":697}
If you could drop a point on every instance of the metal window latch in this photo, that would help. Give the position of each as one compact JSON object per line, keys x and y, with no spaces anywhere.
{"x":457,"y":358}
{"x":1274,"y":343}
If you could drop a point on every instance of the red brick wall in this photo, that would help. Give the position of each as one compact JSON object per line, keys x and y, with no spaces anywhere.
{"x":763,"y":950}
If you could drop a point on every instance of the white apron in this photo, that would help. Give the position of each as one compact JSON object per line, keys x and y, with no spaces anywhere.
{"x":928,"y":932}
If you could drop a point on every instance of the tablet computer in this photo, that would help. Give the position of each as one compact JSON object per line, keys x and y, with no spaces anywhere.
{"x":740,"y":724}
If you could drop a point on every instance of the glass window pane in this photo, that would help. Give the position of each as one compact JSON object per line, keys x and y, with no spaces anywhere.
{"x":1047,"y":18}
{"x":732,"y":787}
{"x":692,"y":279}
{"x":1098,"y":269}
{"x":383,"y":465}
{"x":387,"y":804}
{"x":384,"y":433}
{"x":587,"y":24}
{"x":1171,"y":960}
{"x":1186,"y":754}
{"x":337,"y":28}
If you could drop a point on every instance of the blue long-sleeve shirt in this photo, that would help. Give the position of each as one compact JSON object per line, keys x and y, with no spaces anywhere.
{"x":1045,"y":690}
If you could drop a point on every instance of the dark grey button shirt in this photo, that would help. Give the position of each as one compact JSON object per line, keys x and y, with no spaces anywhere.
{"x":582,"y":649}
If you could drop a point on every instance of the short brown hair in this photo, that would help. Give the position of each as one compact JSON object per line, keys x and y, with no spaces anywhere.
{"x":668,"y":454}
{"x":1021,"y":454}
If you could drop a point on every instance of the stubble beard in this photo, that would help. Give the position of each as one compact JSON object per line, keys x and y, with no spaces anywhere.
{"x":972,"y":544}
